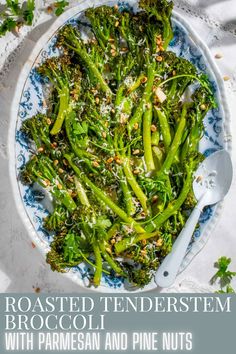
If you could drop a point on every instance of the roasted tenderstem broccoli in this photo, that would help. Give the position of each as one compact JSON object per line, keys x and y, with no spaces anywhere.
{"x":117,"y":147}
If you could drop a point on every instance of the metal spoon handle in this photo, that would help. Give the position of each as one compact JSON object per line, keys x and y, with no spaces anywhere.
{"x":167,"y":272}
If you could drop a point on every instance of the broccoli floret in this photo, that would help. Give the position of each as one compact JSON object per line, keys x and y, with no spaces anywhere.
{"x":167,"y":243}
{"x":40,"y":169}
{"x":179,"y":73}
{"x":203,"y":97}
{"x":145,"y":261}
{"x":37,"y":129}
{"x":190,"y":201}
{"x":104,"y":21}
{"x":64,"y":252}
{"x":139,"y":276}
{"x":56,"y":260}
{"x":160,"y":10}
{"x":132,"y":28}
{"x":57,"y":219}
{"x":70,"y":39}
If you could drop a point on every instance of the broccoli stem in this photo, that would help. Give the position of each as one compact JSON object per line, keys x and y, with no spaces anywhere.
{"x":155,"y":138}
{"x":196,"y":132}
{"x":63,"y":110}
{"x":119,"y":95}
{"x":192,"y":140}
{"x":134,"y":184}
{"x":35,"y":134}
{"x":98,"y":262}
{"x":137,"y":117}
{"x":136,"y":84}
{"x":167,"y":31}
{"x":147,"y":139}
{"x":126,"y":106}
{"x":187,"y":75}
{"x":165,"y":128}
{"x":84,"y":256}
{"x":175,"y":144}
{"x":92,"y":67}
{"x":157,"y":222}
{"x":104,"y":198}
{"x":129,"y":177}
{"x":122,"y":103}
{"x":158,"y":154}
{"x":173,"y":90}
{"x":112,"y":231}
{"x":82,"y":196}
{"x":114,"y":265}
{"x":130,"y":208}
{"x":185,"y":149}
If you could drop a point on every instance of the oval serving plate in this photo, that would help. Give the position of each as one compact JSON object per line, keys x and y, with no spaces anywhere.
{"x":29,"y":99}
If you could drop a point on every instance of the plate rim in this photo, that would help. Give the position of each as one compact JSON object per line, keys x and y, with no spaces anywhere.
{"x":23,"y":75}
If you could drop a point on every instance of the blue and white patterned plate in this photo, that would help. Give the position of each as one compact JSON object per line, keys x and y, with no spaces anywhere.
{"x":29,"y":99}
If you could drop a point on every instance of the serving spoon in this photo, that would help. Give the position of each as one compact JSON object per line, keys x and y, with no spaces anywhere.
{"x":211,"y":183}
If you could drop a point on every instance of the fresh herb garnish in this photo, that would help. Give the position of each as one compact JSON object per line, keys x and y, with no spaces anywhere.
{"x":15,"y":15}
{"x":28,"y":12}
{"x":224,"y":276}
{"x":7,"y":25}
{"x":14,"y":6}
{"x":60,"y":7}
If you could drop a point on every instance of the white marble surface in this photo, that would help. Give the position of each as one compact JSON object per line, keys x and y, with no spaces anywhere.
{"x":22,"y":268}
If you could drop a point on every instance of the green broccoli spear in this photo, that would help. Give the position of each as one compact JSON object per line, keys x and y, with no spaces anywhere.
{"x":37,"y":129}
{"x":160,"y":11}
{"x":69,"y":38}
{"x":64,"y":78}
{"x":40,"y":169}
